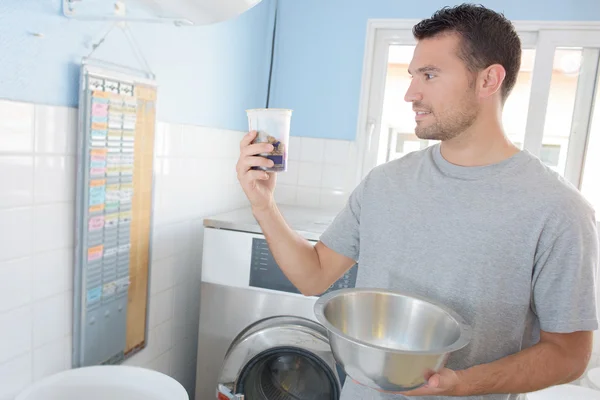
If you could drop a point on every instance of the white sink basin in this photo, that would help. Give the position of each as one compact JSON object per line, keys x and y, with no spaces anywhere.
{"x":106,"y":383}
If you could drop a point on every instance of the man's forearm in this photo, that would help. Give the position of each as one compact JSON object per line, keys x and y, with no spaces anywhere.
{"x":535,"y":368}
{"x":296,"y":257}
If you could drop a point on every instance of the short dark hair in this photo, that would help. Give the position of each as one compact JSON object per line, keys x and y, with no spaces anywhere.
{"x":487,"y":38}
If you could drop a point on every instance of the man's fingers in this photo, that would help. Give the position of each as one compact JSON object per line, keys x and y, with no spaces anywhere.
{"x":257,"y":148}
{"x":247,"y":139}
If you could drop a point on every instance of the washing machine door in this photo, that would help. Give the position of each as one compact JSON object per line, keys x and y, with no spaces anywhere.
{"x":281,"y":358}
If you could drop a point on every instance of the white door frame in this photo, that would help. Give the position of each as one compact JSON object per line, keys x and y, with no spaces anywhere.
{"x":382,"y":32}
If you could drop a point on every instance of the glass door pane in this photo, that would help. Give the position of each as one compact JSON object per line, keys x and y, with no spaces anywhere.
{"x":561,"y":104}
{"x":590,"y":182}
{"x":398,"y":120}
{"x":569,"y":109}
{"x":514,"y":115}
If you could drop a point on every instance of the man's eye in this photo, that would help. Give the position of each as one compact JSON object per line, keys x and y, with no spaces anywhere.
{"x":428,"y":76}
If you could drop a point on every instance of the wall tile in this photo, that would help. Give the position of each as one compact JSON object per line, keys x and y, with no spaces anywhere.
{"x":312,"y":150}
{"x":54,"y":179}
{"x":52,"y":273}
{"x":53,"y":227}
{"x":16,"y":181}
{"x":310,"y":174}
{"x":161,"y":308}
{"x":332,"y":199}
{"x":50,"y":319}
{"x":308,"y":197}
{"x":164,"y":336}
{"x":289,"y":177}
{"x":55,"y":129}
{"x":49,"y":359}
{"x":336,"y":152}
{"x":15,"y":335}
{"x":15,"y":376}
{"x":285,"y":194}
{"x":163,"y":242}
{"x":334,"y":177}
{"x":295,"y":148}
{"x":15,"y":232}
{"x":16,"y":127}
{"x":173,"y":141}
{"x":15,"y":283}
{"x":162,"y":275}
{"x":162,"y":363}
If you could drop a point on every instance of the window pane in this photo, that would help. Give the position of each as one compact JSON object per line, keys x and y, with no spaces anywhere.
{"x":590,"y":184}
{"x":561,"y":103}
{"x":398,"y":120}
{"x":514,"y":116}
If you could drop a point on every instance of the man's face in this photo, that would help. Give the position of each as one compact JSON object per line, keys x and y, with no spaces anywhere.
{"x":442,"y":89}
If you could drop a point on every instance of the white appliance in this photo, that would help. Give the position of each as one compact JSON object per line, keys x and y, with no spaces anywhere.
{"x":255,"y":328}
{"x":199,"y":12}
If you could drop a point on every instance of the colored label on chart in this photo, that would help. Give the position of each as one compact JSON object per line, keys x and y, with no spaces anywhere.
{"x":112,"y":206}
{"x":96,"y":223}
{"x":100,"y":95}
{"x":99,"y":135}
{"x":109,"y":289}
{"x":111,"y":220}
{"x":99,"y":119}
{"x":99,"y":110}
{"x":98,"y":182}
{"x":98,"y":100}
{"x":126,"y":170}
{"x":99,"y":126}
{"x":112,"y":171}
{"x":96,"y":208}
{"x":98,"y":153}
{"x":94,"y":294}
{"x":122,"y":284}
{"x":97,"y":172}
{"x":128,"y":134}
{"x":96,"y":163}
{"x":97,"y":195}
{"x":112,"y":193}
{"x":95,"y":253}
{"x":125,"y":217}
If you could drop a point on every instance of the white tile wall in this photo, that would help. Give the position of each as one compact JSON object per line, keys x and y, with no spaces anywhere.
{"x":320,"y":173}
{"x":37,"y":176}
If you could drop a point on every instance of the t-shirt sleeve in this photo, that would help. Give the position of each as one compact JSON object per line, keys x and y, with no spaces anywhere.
{"x":343,"y":235}
{"x":564,"y":291}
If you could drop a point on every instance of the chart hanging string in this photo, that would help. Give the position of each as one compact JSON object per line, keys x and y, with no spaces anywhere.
{"x":133,"y":44}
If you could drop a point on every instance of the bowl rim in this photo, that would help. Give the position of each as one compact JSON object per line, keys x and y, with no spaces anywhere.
{"x":462,"y":341}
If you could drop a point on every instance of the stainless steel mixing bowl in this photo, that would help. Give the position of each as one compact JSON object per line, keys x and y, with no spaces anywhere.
{"x":388,"y":340}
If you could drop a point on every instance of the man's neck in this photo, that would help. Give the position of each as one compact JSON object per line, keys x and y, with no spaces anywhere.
{"x":481,"y":144}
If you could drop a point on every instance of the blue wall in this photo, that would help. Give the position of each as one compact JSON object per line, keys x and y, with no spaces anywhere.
{"x":320,"y":48}
{"x":207,"y":75}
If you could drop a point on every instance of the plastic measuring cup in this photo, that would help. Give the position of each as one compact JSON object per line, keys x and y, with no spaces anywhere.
{"x":272,"y":126}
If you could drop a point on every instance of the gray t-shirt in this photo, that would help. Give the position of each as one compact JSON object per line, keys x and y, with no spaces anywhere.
{"x":512,"y":247}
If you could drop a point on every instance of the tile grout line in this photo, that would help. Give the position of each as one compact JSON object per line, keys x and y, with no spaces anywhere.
{"x":32,"y":246}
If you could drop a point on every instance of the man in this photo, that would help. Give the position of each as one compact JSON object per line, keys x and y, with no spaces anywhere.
{"x":473,"y":222}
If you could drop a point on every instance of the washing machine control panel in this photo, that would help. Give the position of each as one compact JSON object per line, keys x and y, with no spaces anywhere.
{"x":266,"y":274}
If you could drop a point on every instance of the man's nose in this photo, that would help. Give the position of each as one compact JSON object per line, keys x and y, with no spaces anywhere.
{"x":413,"y":94}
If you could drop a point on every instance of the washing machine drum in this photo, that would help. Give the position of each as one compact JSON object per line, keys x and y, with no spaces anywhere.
{"x":282,"y":358}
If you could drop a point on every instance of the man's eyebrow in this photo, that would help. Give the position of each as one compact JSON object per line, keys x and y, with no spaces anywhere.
{"x":426,"y":68}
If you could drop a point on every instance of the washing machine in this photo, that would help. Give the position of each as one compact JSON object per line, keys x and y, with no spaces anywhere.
{"x":258,"y":337}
